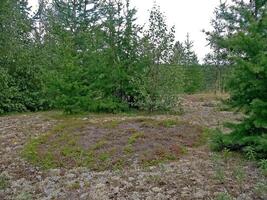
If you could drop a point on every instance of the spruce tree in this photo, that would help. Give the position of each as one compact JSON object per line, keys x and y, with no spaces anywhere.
{"x":246,"y":44}
{"x":190,"y":55}
{"x":178,"y":54}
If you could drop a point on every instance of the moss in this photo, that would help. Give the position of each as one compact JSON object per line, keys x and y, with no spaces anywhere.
{"x":133,"y":139}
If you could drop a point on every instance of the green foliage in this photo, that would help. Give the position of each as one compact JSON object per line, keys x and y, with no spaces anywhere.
{"x":161,"y":88}
{"x":246,"y":43}
{"x":217,"y":141}
{"x":4,"y":182}
{"x":223,"y":196}
{"x":8,"y":93}
{"x":192,"y":74}
{"x":133,"y":139}
{"x":261,"y":189}
{"x":194,"y":79}
{"x":263,"y":166}
{"x":91,"y":56}
{"x":20,"y":78}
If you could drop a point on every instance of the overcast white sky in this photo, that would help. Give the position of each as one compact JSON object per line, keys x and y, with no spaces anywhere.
{"x":187,"y":15}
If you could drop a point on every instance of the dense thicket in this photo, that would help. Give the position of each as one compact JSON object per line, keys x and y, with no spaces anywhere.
{"x":20,"y":79}
{"x":91,"y":55}
{"x":245,"y":43}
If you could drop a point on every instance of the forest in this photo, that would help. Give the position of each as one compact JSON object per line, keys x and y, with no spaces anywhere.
{"x":80,"y":57}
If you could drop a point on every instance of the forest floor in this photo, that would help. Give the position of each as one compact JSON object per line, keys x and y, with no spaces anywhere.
{"x":124,"y":156}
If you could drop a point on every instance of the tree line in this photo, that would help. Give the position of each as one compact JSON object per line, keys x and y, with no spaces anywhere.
{"x":89,"y":55}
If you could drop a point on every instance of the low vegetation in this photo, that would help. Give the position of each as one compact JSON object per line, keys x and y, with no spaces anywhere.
{"x":4,"y":182}
{"x":112,"y":145}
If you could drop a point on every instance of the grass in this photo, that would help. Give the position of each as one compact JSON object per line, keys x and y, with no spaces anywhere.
{"x":168,"y":123}
{"x":261,"y":189}
{"x":160,"y":156}
{"x":128,"y":149}
{"x":4,"y":182}
{"x":63,"y":149}
{"x":24,"y":196}
{"x":112,"y":124}
{"x":62,"y":143}
{"x":223,"y":196}
{"x":154,"y":179}
{"x":239,"y":174}
{"x":263,"y":166}
{"x":134,"y":137}
{"x":205,"y":137}
{"x":100,"y":144}
{"x":219,"y":174}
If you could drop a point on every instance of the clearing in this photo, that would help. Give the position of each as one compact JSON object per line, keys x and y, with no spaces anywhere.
{"x":125,"y":156}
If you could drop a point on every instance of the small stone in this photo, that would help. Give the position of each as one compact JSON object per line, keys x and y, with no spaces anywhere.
{"x":54,"y":172}
{"x":135,"y":196}
{"x":71,"y":176}
{"x":161,"y":196}
{"x":116,"y":190}
{"x":243,"y":197}
{"x":156,"y":189}
{"x":200,"y":194}
{"x":170,"y":192}
{"x":84,"y":196}
{"x":100,"y":185}
{"x":39,"y":178}
{"x":184,"y":194}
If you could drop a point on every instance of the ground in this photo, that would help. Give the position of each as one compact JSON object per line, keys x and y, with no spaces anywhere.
{"x":124,"y":156}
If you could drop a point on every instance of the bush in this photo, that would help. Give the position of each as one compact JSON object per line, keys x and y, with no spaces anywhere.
{"x":161,"y":89}
{"x":10,"y":95}
{"x":252,"y":146}
{"x":217,"y":141}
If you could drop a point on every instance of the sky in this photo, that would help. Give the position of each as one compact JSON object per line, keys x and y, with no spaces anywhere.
{"x":188,"y":16}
